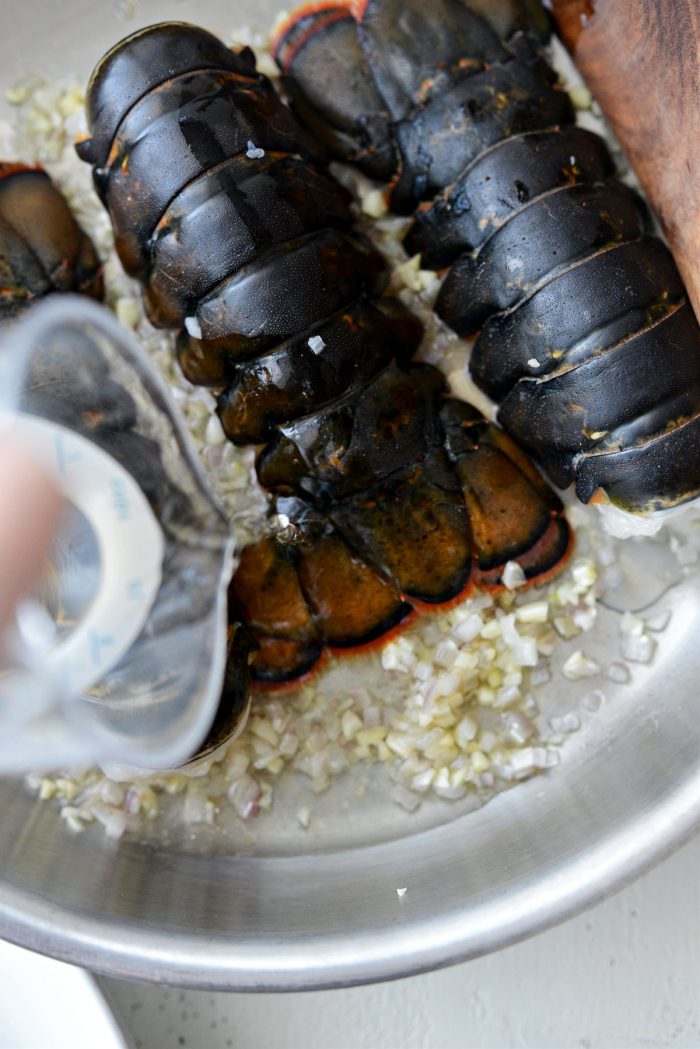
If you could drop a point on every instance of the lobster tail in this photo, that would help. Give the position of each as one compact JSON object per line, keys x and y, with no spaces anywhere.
{"x":246,"y":245}
{"x":428,"y":77}
{"x":401,"y":498}
{"x":586,"y":337}
{"x":237,"y":160}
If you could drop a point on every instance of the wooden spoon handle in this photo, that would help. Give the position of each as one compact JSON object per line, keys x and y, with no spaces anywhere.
{"x":641,"y":60}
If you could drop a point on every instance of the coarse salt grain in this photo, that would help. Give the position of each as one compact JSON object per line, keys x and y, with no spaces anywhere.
{"x":316,"y":344}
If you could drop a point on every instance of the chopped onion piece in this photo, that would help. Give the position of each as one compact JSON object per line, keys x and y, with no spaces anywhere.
{"x":637,"y":649}
{"x":618,"y":672}
{"x":579,"y":666}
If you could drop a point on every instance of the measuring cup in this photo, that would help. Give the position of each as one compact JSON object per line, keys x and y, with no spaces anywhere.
{"x":123,"y":652}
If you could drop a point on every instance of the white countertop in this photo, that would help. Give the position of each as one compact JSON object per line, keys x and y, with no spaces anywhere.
{"x":624,"y":975}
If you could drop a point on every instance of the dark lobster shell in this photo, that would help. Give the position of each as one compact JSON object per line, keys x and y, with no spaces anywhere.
{"x":42,"y":248}
{"x":586,"y":337}
{"x":244,"y":242}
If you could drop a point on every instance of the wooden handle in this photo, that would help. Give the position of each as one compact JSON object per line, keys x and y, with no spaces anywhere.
{"x":641,"y":60}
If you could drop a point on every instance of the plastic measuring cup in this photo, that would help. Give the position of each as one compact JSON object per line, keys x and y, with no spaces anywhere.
{"x":122,"y":653}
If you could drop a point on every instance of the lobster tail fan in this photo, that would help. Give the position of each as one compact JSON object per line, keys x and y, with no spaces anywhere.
{"x":266,"y":594}
{"x":351,"y":604}
{"x":42,"y":248}
{"x":513,"y":514}
{"x":374,"y":464}
{"x":330,"y":83}
{"x":296,"y":598}
{"x":414,"y":529}
{"x":302,"y":24}
{"x":414,"y":50}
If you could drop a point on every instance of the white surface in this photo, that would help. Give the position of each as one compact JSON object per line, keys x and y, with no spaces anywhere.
{"x":48,"y":1005}
{"x":625,"y":975}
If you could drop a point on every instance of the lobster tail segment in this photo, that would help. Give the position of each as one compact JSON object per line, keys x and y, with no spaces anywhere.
{"x":499,"y":184}
{"x":560,"y":228}
{"x":146,"y":59}
{"x":260,"y":202}
{"x":513,"y":514}
{"x":312,"y":370}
